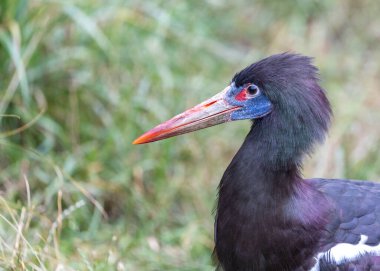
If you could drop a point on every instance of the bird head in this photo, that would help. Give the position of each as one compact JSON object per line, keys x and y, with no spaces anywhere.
{"x":280,"y":88}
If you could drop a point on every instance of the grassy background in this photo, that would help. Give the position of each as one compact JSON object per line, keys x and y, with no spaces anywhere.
{"x":80,"y":79}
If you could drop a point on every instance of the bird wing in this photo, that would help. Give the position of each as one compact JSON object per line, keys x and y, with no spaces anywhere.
{"x":368,"y":262}
{"x":353,"y":231}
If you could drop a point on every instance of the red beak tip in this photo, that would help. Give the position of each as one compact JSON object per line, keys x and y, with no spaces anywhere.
{"x":138,"y":141}
{"x":145,"y":138}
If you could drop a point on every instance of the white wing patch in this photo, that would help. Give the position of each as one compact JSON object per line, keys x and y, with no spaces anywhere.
{"x":344,"y":252}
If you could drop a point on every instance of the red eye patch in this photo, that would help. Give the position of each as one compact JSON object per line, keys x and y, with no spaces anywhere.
{"x":242,"y":95}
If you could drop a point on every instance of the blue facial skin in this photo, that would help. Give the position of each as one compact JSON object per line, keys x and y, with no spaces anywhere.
{"x":253,"y":108}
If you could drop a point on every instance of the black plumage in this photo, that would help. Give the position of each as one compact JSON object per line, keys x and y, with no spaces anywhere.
{"x":268,"y":217}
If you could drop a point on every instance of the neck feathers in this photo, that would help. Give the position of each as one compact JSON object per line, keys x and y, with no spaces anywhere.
{"x":296,"y":124}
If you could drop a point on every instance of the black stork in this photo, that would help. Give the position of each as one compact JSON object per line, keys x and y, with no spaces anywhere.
{"x":268,"y":217}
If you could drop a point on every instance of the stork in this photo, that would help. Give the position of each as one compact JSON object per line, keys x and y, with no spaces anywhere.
{"x":269,"y":217}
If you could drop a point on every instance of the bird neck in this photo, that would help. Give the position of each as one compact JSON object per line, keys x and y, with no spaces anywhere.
{"x":269,"y":161}
{"x":263,"y":166}
{"x":279,"y":142}
{"x":262,"y":195}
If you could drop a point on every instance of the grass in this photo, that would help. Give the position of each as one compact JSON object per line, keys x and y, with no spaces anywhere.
{"x":80,"y":80}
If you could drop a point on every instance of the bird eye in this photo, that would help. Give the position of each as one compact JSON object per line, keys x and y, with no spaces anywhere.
{"x":252,"y":90}
{"x":248,"y":92}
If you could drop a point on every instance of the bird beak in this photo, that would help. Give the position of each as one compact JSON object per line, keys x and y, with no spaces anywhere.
{"x":211,"y":112}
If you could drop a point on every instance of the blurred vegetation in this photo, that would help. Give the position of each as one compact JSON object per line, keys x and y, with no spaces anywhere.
{"x":80,"y":79}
